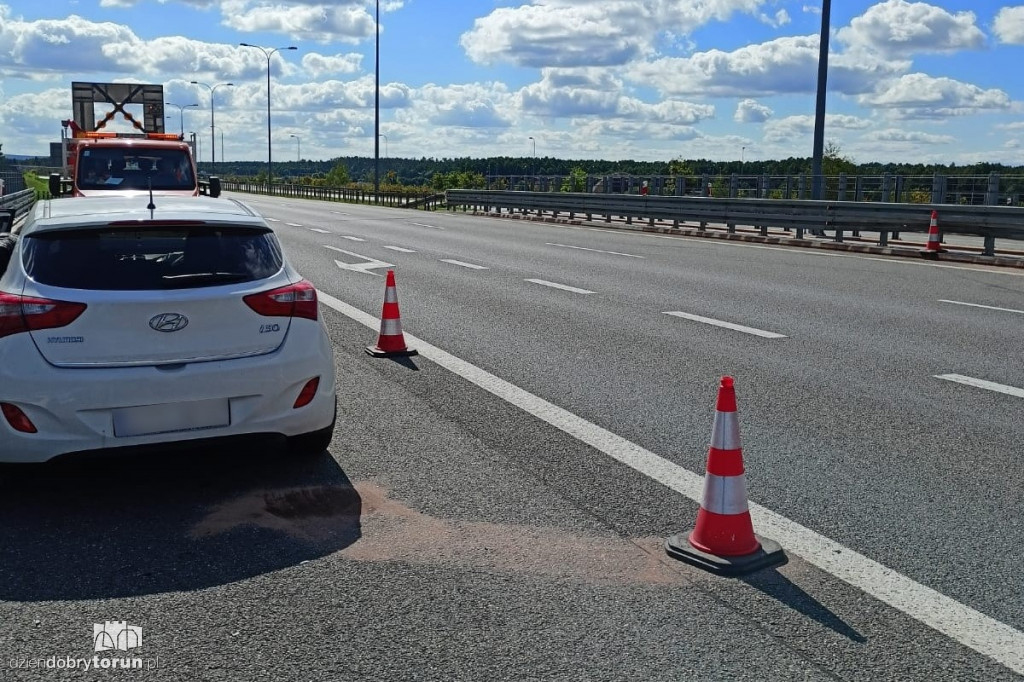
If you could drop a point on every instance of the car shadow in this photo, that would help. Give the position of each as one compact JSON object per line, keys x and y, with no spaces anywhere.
{"x":120,"y":527}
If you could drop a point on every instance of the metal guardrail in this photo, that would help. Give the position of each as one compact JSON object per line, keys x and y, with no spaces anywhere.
{"x":989,"y":222}
{"x":19,"y":202}
{"x":427,"y":201}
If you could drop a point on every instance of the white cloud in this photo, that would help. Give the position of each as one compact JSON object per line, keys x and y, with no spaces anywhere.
{"x":900,"y":28}
{"x":794,"y":127}
{"x":347,"y":22}
{"x":473,"y":105}
{"x":572,"y":92}
{"x":919,"y":95}
{"x":781,"y":18}
{"x":749,"y":111}
{"x":783,"y":65}
{"x":571,"y":33}
{"x":38,"y":49}
{"x":317,"y":65}
{"x":1009,"y":25}
{"x":896,"y":135}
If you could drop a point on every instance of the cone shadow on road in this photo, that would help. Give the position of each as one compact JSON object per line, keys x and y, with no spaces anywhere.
{"x":780,"y":588}
{"x":405,"y":361}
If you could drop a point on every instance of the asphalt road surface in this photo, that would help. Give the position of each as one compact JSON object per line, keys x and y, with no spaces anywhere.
{"x":496,"y":507}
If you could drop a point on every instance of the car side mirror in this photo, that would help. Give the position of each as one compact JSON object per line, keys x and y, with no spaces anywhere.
{"x":214,"y":186}
{"x":55,"y":185}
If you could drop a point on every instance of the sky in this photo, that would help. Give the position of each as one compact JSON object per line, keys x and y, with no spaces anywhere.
{"x":650,"y":80}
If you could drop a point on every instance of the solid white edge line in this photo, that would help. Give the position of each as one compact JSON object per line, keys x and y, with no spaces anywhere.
{"x":961,"y":623}
{"x":986,"y":307}
{"x":981,"y":383}
{"x":462,"y":264}
{"x":563,"y":287}
{"x":726,"y":325}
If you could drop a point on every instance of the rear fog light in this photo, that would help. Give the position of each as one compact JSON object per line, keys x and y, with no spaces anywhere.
{"x":18,"y":420}
{"x":307,"y":394}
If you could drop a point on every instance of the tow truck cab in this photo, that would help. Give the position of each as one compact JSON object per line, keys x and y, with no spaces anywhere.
{"x":107,"y":165}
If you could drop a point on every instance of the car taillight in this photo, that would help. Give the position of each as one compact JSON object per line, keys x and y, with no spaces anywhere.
{"x":25,"y":313}
{"x":294,"y":300}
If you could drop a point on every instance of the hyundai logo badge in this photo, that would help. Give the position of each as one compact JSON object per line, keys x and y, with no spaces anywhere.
{"x":168,"y":322}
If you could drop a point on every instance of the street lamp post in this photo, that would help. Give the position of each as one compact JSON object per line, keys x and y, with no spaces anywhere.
{"x":298,"y":147}
{"x":181,"y":114}
{"x":376,"y":109}
{"x":268,"y":55}
{"x":213,"y":138}
{"x":533,"y":163}
{"x":819,"y":110}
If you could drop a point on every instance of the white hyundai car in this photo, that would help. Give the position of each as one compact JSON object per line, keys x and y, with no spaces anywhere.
{"x":134,"y":324}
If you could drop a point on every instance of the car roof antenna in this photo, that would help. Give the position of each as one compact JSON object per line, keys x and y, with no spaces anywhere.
{"x":152,"y":206}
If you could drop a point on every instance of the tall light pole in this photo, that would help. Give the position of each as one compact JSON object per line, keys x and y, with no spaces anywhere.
{"x":213,"y":138}
{"x":268,"y":55}
{"x":298,"y":147}
{"x":385,"y":144}
{"x":376,"y":110}
{"x":819,"y":110}
{"x":533,"y":163}
{"x":181,"y":114}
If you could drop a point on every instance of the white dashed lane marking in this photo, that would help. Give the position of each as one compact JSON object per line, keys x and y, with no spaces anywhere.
{"x":583,"y":248}
{"x":986,"y":307}
{"x":471,"y":266}
{"x":563,"y":287}
{"x":399,"y":249}
{"x":981,"y":383}
{"x":726,"y":325}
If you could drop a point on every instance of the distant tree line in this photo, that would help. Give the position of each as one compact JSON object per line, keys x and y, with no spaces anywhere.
{"x":445,"y":173}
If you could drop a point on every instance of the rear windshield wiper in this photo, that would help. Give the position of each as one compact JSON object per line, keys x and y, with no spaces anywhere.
{"x":203,"y":277}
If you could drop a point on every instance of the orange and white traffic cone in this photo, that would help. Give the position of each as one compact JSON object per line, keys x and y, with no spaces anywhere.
{"x":391,"y":341}
{"x":933,"y":248}
{"x":723,"y":540}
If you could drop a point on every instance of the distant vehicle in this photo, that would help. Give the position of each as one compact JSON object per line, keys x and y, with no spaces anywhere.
{"x":98,"y":161}
{"x":128,"y":328}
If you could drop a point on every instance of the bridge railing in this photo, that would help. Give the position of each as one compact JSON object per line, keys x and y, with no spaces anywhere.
{"x":18,"y":202}
{"x":842,"y":217}
{"x":427,"y":201}
{"x":991,"y":189}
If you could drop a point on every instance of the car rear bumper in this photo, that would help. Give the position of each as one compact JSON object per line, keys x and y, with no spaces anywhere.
{"x":77,"y":410}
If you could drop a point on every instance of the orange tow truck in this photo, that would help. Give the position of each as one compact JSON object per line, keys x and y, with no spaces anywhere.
{"x":100,"y":162}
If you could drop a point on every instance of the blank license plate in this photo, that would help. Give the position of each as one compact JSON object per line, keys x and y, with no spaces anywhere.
{"x":171,"y":417}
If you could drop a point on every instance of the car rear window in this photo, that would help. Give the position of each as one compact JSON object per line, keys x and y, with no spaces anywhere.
{"x":164,"y":257}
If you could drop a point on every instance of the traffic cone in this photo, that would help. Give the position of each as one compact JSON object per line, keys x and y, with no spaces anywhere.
{"x":391,"y":341}
{"x":723,"y":540}
{"x":932,"y":249}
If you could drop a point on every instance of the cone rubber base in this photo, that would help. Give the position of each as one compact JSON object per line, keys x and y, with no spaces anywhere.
{"x":378,"y":353}
{"x":770,"y":554}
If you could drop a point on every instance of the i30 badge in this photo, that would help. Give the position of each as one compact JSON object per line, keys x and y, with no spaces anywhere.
{"x":168,"y":322}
